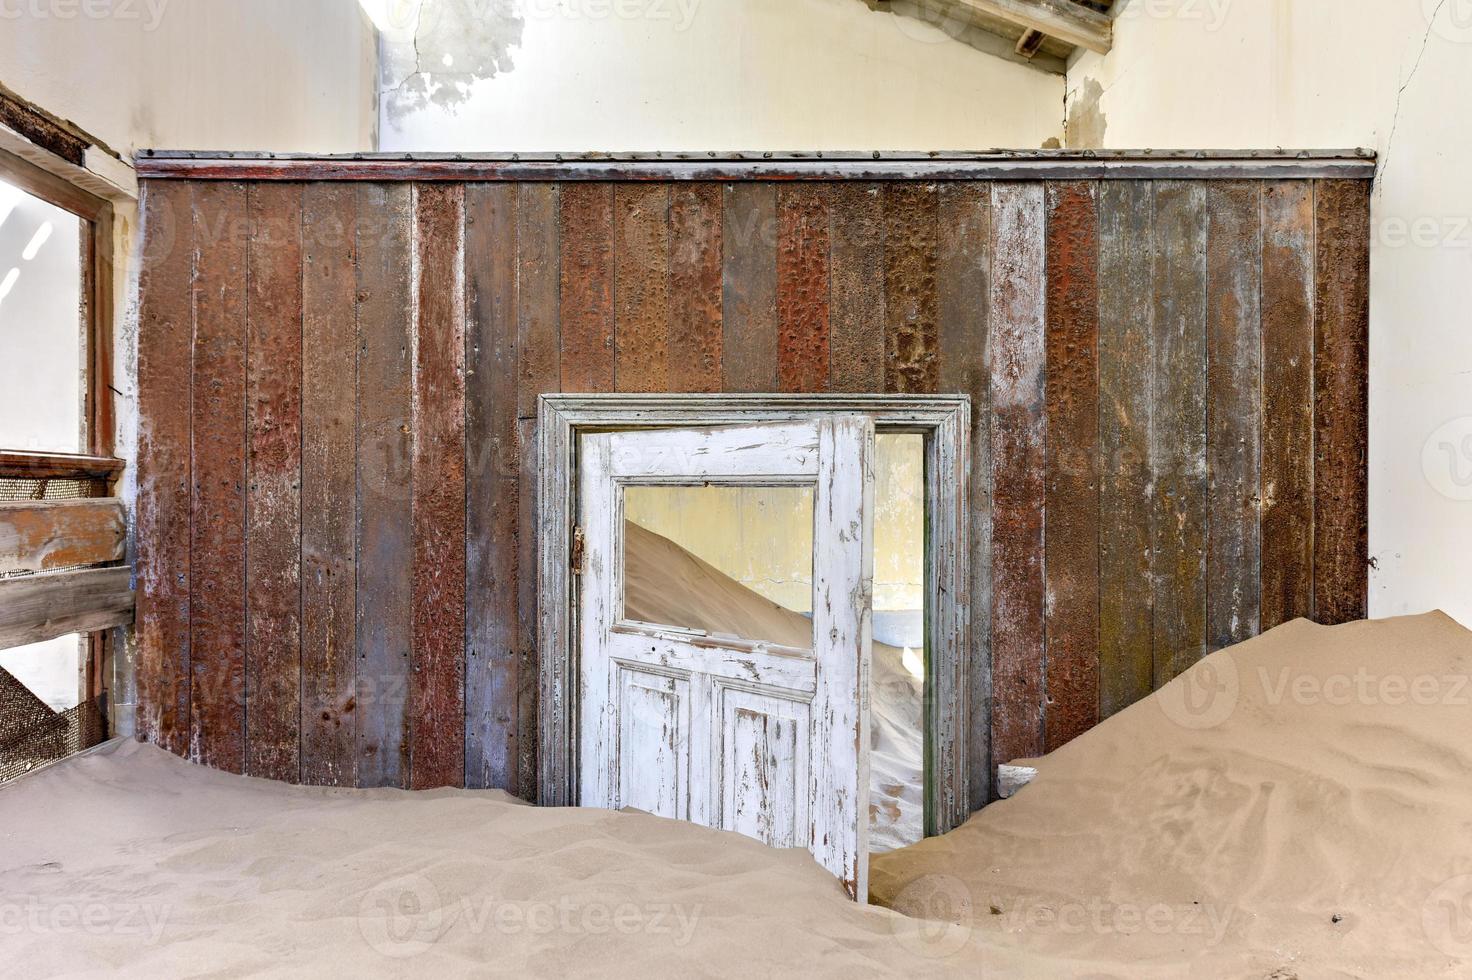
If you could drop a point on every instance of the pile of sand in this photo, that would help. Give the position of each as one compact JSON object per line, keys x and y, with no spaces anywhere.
{"x":664,"y":583}
{"x":1298,"y":806}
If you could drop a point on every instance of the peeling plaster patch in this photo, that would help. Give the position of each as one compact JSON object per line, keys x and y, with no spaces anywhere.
{"x":452,"y":45}
{"x":1085,"y":122}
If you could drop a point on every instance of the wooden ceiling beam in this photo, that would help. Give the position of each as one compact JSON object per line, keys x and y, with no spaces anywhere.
{"x":1066,"y":20}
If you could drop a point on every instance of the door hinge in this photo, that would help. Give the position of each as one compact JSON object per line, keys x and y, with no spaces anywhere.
{"x":577,"y":550}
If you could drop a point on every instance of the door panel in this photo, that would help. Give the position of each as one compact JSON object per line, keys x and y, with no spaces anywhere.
{"x":748,"y":715}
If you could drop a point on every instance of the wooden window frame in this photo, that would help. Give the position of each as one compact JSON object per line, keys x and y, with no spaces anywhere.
{"x":953,"y":709}
{"x":97,"y":460}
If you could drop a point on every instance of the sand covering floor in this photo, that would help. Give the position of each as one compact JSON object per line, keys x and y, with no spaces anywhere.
{"x":1297,"y":806}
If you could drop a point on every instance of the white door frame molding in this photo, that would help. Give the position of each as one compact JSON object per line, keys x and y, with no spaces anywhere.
{"x":957,"y":689}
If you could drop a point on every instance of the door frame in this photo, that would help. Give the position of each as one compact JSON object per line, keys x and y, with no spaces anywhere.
{"x":957,"y":684}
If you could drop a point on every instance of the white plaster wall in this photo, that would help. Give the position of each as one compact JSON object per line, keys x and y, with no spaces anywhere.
{"x":1391,"y":76}
{"x":577,"y":75}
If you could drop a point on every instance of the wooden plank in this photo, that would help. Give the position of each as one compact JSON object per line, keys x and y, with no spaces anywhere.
{"x":538,"y":293}
{"x":641,"y":287}
{"x":436,"y":705}
{"x":856,"y":301}
{"x":273,"y":495}
{"x":1178,"y":433}
{"x":1341,"y":400}
{"x":493,"y":460}
{"x":36,"y":466}
{"x":217,"y":460}
{"x":1234,"y":412}
{"x":1126,"y":409}
{"x":1018,"y":361}
{"x":911,"y":334}
{"x":329,"y":407}
{"x":963,"y":305}
{"x":1287,"y":569}
{"x":1067,"y":20}
{"x":527,"y":610}
{"x":749,"y":288}
{"x":165,"y":333}
{"x":383,"y":529}
{"x":43,"y":535}
{"x":1071,"y":531}
{"x":587,"y":287}
{"x":695,"y":287}
{"x":35,"y":608}
{"x":802,"y":288}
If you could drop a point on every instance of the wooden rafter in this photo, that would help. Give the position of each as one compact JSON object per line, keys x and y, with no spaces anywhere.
{"x":1064,"y":19}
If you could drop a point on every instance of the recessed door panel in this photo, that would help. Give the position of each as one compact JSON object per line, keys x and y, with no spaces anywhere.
{"x":654,"y":730}
{"x":766,"y":754}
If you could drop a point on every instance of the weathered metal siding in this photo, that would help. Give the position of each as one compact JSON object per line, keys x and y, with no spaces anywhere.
{"x":1168,"y":381}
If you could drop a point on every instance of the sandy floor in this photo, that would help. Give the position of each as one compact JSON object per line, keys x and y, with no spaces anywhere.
{"x":1298,"y":806}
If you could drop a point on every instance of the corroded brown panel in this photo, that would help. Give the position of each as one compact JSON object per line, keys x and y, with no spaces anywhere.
{"x":1288,"y":402}
{"x":1233,"y":412}
{"x":1018,"y":437}
{"x":1072,"y":496}
{"x":963,"y":308}
{"x":273,"y":498}
{"x":436,"y":707}
{"x":587,"y":287}
{"x":641,"y":287}
{"x":217,"y":455}
{"x":1126,"y":410}
{"x":1341,"y":400}
{"x":329,"y":485}
{"x":695,"y":287}
{"x":538,"y":293}
{"x":856,"y":301}
{"x":1178,"y":429}
{"x":493,"y":459}
{"x":802,"y":288}
{"x":165,"y":331}
{"x":749,"y":287}
{"x":912,"y":333}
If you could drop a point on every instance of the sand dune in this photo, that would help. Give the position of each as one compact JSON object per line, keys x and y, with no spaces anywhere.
{"x":1306,"y":812}
{"x":664,"y":583}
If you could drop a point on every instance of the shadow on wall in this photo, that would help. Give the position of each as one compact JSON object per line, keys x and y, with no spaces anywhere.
{"x":434,"y":51}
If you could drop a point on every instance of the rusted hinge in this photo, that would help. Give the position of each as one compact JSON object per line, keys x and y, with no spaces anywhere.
{"x":577,"y":550}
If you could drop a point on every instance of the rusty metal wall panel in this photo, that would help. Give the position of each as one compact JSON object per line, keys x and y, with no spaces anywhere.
{"x":963,"y":311}
{"x":856,"y":303}
{"x":538,"y":295}
{"x":641,"y":287}
{"x":587,"y":286}
{"x":165,"y":332}
{"x":695,"y":287}
{"x":1071,"y":502}
{"x":217,"y":463}
{"x":1287,"y":567}
{"x":802,"y":287}
{"x":1233,"y":412}
{"x":749,"y":288}
{"x":329,"y":409}
{"x":273,"y":662}
{"x":436,"y":707}
{"x":1178,"y":430}
{"x":385,"y":322}
{"x":911,"y":334}
{"x":493,"y":460}
{"x":1019,"y":432}
{"x":1341,"y":400}
{"x":1126,"y":408}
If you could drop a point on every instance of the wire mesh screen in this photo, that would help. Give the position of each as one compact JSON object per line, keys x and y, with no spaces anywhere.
{"x":50,"y":488}
{"x":32,"y":733}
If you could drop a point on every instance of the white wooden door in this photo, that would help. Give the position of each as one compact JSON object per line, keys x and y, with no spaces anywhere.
{"x":736,"y":732}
